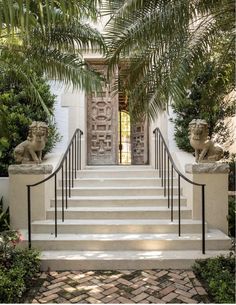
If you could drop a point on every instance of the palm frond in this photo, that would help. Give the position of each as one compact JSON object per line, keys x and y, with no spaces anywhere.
{"x":166,"y":43}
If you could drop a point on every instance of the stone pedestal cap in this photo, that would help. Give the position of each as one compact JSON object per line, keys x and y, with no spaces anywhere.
{"x":207,"y":168}
{"x":30,"y":169}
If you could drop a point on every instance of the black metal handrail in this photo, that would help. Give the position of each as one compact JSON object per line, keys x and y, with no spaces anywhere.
{"x":70,"y":163}
{"x":163,"y":162}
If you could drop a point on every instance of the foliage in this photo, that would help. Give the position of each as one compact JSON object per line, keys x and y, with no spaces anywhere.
{"x":19,"y":109}
{"x":206,"y":100}
{"x":219,"y":277}
{"x":164,"y":45}
{"x":231,"y":216}
{"x":17,"y":267}
{"x":50,"y":35}
{"x":232,"y":172}
{"x":4,"y":217}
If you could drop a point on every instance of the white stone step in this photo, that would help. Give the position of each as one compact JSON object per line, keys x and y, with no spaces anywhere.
{"x":112,"y":226}
{"x":120,"y":212}
{"x":117,"y":173}
{"x":118,"y":167}
{"x":122,"y":260}
{"x":111,"y":201}
{"x":118,"y":182}
{"x":118,"y":191}
{"x":215,"y":240}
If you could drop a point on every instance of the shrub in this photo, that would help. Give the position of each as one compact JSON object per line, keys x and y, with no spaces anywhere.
{"x":231,"y":216}
{"x":206,"y":99}
{"x":17,"y":267}
{"x":11,"y":285}
{"x":4,"y":217}
{"x":17,"y":111}
{"x":218,"y":275}
{"x":232,"y":172}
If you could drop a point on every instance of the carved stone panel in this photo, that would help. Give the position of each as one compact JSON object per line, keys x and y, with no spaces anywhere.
{"x":139,"y":143}
{"x":102,"y":126}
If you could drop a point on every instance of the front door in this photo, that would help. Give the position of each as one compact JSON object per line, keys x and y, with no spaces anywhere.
{"x":133,"y":140}
{"x":112,"y":137}
{"x":102,"y":125}
{"x":139,"y":142}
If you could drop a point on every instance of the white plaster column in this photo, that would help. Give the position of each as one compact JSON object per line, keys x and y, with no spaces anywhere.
{"x":215,"y":177}
{"x":19,"y":177}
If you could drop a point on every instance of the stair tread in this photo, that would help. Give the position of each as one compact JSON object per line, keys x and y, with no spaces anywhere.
{"x":118,"y":178}
{"x":118,"y":188}
{"x":116,"y":222}
{"x":119,"y":209}
{"x":129,"y":255}
{"x":126,"y":197}
{"x":210,"y":235}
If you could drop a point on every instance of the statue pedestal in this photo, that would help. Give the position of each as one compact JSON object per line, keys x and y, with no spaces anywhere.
{"x":215,"y":177}
{"x":19,"y":177}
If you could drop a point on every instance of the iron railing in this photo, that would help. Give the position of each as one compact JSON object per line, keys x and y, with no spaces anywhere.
{"x":165,"y":165}
{"x":70,"y":163}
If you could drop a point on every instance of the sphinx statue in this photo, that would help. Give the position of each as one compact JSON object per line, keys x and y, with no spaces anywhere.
{"x":30,"y":151}
{"x":205,"y":149}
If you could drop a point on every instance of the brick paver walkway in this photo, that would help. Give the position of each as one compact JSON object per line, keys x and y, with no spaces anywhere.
{"x":147,"y":286}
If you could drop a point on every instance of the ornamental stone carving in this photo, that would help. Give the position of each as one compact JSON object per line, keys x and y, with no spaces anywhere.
{"x":205,"y":149}
{"x":30,"y":151}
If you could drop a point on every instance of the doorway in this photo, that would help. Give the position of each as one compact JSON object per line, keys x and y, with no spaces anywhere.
{"x":124,"y":130}
{"x":113,"y":138}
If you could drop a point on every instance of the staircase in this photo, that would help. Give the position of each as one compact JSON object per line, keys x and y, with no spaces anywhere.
{"x":118,"y":218}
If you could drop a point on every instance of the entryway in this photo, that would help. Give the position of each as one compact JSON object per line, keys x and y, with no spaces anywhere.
{"x":112,"y":137}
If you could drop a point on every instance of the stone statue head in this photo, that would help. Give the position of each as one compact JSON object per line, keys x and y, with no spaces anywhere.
{"x":198,"y":130}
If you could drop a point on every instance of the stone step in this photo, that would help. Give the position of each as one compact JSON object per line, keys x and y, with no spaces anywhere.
{"x":122,"y":260}
{"x":120,"y":201}
{"x":118,"y":167}
{"x":118,"y":191}
{"x":215,"y":240}
{"x":116,"y":173}
{"x":107,"y":226}
{"x":120,"y":212}
{"x":118,"y":182}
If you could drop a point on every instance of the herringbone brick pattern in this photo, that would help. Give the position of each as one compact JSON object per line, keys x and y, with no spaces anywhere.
{"x":101,"y":287}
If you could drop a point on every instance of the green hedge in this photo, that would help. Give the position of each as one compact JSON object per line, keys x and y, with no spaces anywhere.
{"x":17,"y":111}
{"x":17,"y":267}
{"x":218,"y":274}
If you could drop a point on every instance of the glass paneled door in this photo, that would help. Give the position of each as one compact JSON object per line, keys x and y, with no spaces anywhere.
{"x":124,"y":129}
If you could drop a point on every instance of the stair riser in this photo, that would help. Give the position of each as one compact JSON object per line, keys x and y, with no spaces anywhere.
{"x":65,"y":265}
{"x":117,"y":174}
{"x":118,"y":167}
{"x":117,"y":229}
{"x":117,"y":182}
{"x":119,"y":215}
{"x":118,"y":192}
{"x":128,"y":245}
{"x":119,"y":203}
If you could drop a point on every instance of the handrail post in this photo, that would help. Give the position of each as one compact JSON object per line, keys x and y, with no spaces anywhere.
{"x":155,"y":134}
{"x":75,"y":153}
{"x":80,"y":149}
{"x":159,"y":154}
{"x":203,"y":219}
{"x":172,"y":193}
{"x":55,"y":194}
{"x":72,"y":162}
{"x":29,"y":215}
{"x":62,"y":192}
{"x":164,"y":171}
{"x":66,"y":174}
{"x":69,"y":173}
{"x":179,"y":203}
{"x":168,"y":181}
